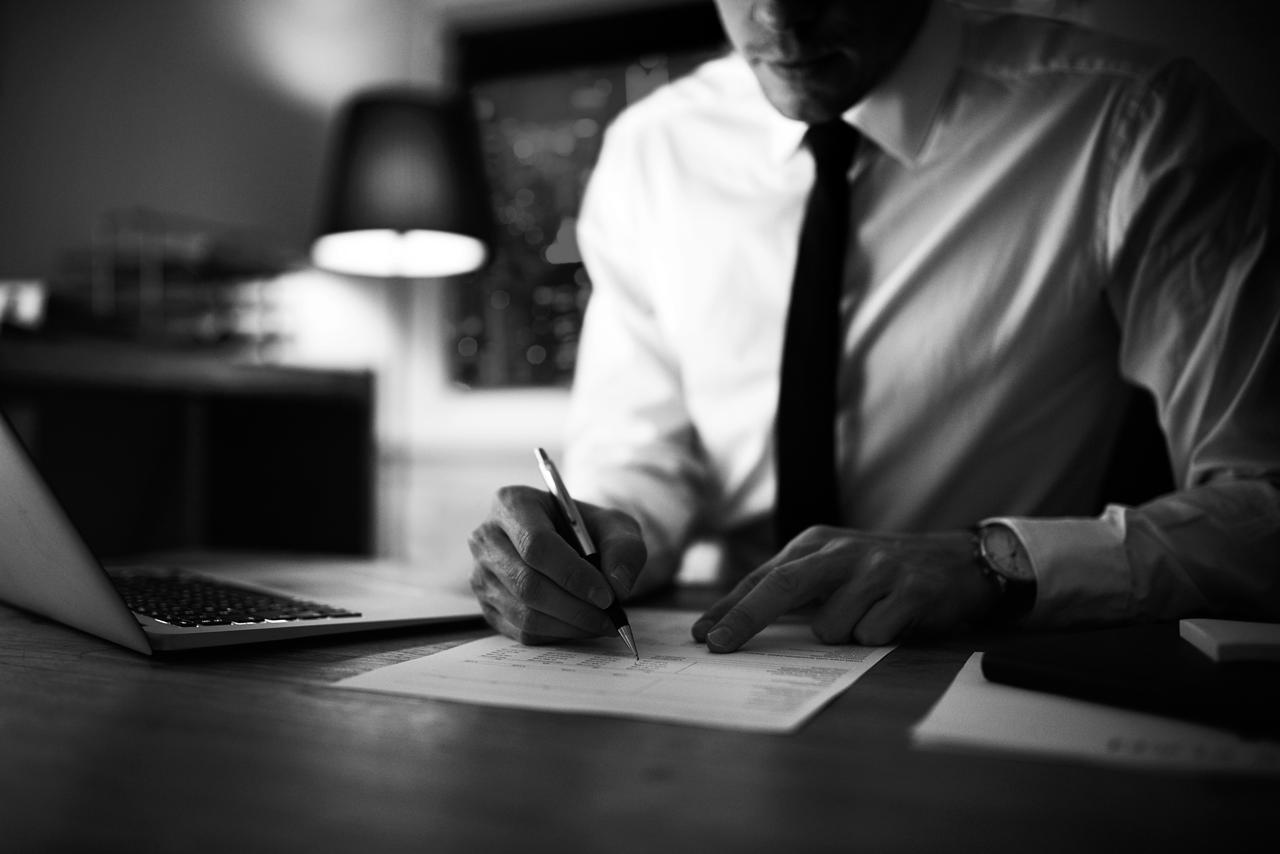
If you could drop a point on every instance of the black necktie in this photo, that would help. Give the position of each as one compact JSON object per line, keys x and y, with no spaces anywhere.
{"x":808,"y":492}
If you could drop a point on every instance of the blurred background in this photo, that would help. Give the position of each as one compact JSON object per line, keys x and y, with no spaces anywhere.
{"x":188,"y":378}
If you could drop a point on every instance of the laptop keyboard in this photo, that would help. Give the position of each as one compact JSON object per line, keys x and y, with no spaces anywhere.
{"x":188,"y":601}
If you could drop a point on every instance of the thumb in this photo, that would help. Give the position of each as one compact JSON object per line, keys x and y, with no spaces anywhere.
{"x":621,"y":545}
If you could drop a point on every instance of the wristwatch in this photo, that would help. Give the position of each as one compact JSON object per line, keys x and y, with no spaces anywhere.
{"x":1004,"y":560}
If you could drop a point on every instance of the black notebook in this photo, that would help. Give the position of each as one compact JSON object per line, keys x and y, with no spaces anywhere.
{"x":1147,"y":668}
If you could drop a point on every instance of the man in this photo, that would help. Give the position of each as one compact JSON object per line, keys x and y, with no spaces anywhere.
{"x":1040,"y":219}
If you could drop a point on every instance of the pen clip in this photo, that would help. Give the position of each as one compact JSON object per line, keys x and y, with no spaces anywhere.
{"x":568,"y":507}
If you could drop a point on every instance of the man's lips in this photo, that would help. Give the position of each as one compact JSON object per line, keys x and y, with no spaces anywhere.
{"x":792,"y":59}
{"x":796,"y":65}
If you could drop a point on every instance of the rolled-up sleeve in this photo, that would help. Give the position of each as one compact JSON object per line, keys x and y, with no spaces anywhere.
{"x":630,"y":441}
{"x":1190,"y":233}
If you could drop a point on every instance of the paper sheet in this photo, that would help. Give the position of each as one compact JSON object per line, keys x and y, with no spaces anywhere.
{"x":976,"y":713}
{"x":774,"y":683}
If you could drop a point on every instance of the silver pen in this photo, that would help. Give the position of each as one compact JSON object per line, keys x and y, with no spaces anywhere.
{"x":584,"y":544}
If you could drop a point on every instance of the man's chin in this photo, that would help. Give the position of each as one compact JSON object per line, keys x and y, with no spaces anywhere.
{"x":808,"y":101}
{"x":804,"y":107}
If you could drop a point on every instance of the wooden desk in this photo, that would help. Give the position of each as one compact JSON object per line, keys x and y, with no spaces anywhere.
{"x":101,"y":749}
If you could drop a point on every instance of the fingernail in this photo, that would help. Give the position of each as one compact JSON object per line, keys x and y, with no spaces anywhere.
{"x":700,"y":630}
{"x":621,"y":579}
{"x":601,"y":598}
{"x":720,"y":637}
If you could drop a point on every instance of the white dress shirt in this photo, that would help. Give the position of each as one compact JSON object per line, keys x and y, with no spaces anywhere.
{"x":1040,"y":214}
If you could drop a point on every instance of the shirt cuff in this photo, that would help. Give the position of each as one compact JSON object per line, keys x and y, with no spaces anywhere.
{"x":1081,"y":568}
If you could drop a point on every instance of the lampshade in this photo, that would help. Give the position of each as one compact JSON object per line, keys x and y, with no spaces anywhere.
{"x":406,"y":193}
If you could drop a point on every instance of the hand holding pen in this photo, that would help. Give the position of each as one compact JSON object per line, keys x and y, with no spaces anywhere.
{"x":531,"y":580}
{"x":572,"y":516}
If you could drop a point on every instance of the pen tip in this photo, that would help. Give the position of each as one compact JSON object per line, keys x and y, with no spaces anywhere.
{"x":629,"y":640}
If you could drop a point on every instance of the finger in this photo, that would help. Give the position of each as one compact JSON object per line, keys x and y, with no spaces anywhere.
{"x":871,"y":579}
{"x":886,"y":621}
{"x":847,"y":606}
{"x":527,"y":516}
{"x":782,"y":589}
{"x":799,"y":547}
{"x":621,"y":545}
{"x":725,"y":603}
{"x":518,"y":620}
{"x":530,"y":627}
{"x":519,"y":591}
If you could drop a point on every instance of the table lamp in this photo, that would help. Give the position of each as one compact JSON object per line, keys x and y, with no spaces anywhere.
{"x":406,"y":193}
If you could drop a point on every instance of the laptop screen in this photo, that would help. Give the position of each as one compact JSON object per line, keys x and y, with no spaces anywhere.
{"x":45,"y":565}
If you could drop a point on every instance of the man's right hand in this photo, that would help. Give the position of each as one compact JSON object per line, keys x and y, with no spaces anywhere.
{"x":532,"y":584}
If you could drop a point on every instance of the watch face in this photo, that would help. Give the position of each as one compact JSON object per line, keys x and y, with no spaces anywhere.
{"x":1004,"y":550}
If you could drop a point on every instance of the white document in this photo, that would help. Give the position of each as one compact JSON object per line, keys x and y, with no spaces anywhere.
{"x":976,"y":713}
{"x":776,"y":682}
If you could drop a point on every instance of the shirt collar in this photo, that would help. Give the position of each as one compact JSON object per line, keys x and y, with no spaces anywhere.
{"x":898,"y":114}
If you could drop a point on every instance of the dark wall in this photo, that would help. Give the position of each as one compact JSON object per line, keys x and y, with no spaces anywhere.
{"x":212,"y":108}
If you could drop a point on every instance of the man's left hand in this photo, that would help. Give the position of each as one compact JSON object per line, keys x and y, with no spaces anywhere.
{"x":874,"y":588}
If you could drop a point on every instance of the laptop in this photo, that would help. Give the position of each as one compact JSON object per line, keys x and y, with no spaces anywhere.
{"x":47,"y":568}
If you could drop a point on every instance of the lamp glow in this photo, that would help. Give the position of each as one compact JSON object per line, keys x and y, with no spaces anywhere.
{"x":412,"y":254}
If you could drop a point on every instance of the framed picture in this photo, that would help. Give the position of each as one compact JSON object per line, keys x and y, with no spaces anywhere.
{"x":544,"y":92}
